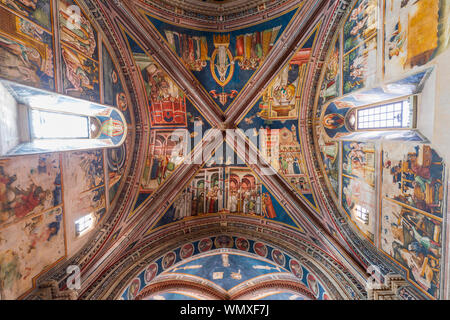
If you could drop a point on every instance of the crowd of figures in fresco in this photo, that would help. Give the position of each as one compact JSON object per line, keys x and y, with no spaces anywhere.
{"x":410,"y":178}
{"x":239,"y":193}
{"x":37,"y":211}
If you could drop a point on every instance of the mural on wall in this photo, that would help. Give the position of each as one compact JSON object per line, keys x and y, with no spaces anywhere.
{"x":223,"y":62}
{"x":331,"y":156}
{"x":412,"y":187}
{"x":176,"y":124}
{"x":84,"y":184}
{"x":359,"y":66}
{"x":413,"y":175}
{"x":236,"y":264}
{"x":415,"y":33}
{"x":361,"y":24}
{"x":80,"y":54}
{"x":29,"y":185}
{"x":360,"y":46}
{"x":26,"y":52}
{"x":358,"y":185}
{"x":219,"y":189}
{"x":27,"y":249}
{"x":271,"y":125}
{"x":413,"y":239}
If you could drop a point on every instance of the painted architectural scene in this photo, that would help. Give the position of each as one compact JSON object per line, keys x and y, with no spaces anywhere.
{"x":415,"y":241}
{"x":223,"y":62}
{"x":413,"y":175}
{"x":226,"y":190}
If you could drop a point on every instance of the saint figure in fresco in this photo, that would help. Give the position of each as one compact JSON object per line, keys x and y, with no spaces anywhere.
{"x":258,"y":204}
{"x":269,"y":210}
{"x":296,"y":166}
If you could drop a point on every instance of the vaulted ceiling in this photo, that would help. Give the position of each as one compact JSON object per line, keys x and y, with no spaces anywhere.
{"x":225,"y":62}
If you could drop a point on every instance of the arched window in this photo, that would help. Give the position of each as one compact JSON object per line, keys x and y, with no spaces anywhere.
{"x":388,"y":112}
{"x":38,"y":121}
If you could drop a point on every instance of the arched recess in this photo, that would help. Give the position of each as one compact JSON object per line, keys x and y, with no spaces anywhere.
{"x":265,"y":288}
{"x":337,"y":281}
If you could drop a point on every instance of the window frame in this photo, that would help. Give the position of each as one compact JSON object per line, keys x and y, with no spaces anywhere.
{"x":413,"y":122}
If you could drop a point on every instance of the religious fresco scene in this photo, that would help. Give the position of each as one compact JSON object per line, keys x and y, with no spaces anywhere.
{"x":344,"y":104}
{"x":272,"y":123}
{"x":178,"y":125}
{"x":360,"y":46}
{"x":331,"y":83}
{"x":226,"y":189}
{"x":42,"y":195}
{"x":399,"y":185}
{"x":223,"y":62}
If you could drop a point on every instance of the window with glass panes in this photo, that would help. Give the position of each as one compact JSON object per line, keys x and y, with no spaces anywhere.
{"x":362,"y":214}
{"x":393,"y":115}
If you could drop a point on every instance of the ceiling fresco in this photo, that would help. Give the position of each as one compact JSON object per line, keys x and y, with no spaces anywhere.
{"x":272,"y":124}
{"x":219,"y":189}
{"x":223,"y":62}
